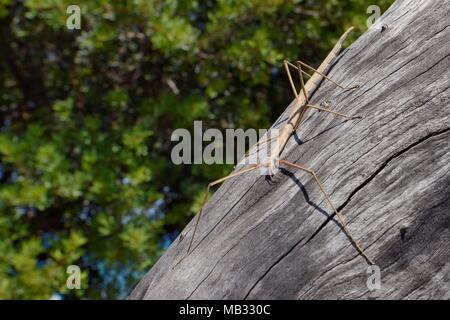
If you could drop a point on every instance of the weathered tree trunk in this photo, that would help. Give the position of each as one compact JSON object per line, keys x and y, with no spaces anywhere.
{"x":389,"y":174}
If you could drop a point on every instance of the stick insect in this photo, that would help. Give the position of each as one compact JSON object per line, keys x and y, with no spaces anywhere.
{"x":301,"y":106}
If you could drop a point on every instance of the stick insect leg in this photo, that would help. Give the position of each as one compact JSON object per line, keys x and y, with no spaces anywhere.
{"x":333,"y":112}
{"x":303,"y":89}
{"x":235,"y":174}
{"x":340,"y":217}
{"x":296,"y":94}
{"x":323,"y":75}
{"x":302,"y":82}
{"x":286,"y":66}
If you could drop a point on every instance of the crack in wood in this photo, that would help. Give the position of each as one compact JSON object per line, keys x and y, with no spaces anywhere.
{"x":373,"y":175}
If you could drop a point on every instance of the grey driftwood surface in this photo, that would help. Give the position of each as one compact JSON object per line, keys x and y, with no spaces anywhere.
{"x":389,"y":174}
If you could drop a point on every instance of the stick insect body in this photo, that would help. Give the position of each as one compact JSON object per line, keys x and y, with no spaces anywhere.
{"x":297,"y":114}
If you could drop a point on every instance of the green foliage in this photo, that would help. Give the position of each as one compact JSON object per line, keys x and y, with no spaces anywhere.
{"x":86,"y":118}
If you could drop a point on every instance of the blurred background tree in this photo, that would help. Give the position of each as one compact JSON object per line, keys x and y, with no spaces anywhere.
{"x":86,"y":118}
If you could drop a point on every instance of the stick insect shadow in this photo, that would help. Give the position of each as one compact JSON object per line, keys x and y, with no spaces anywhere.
{"x":329,"y":217}
{"x":300,"y":141}
{"x":305,"y":192}
{"x":297,"y":139}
